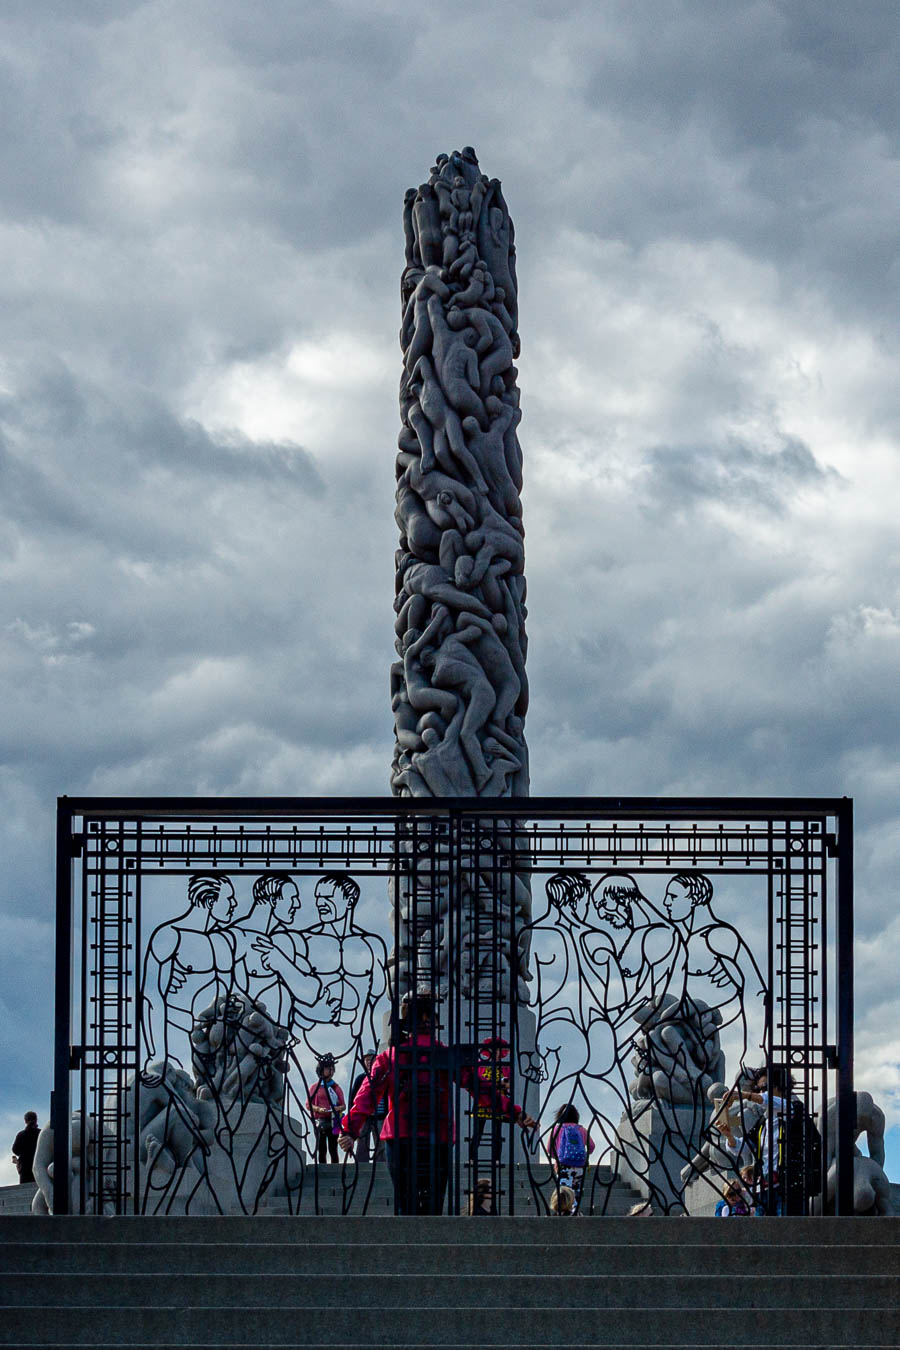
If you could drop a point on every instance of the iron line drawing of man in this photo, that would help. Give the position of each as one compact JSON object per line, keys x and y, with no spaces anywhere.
{"x":273,"y":916}
{"x":580,"y":998}
{"x":190,"y":960}
{"x":348,"y":962}
{"x":713,"y":963}
{"x":641,"y":944}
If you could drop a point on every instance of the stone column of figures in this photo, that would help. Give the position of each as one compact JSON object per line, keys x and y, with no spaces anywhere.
{"x":458,"y":687}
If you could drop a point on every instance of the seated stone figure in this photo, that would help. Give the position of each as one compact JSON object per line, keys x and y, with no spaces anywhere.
{"x":677,"y":1052}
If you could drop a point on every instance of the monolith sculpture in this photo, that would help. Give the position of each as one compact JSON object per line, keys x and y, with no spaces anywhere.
{"x":459,"y":689}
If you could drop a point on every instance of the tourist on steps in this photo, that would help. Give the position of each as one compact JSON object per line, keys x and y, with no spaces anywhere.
{"x":369,"y":1147}
{"x":570,"y":1145}
{"x":412,"y":1077}
{"x":326,"y":1102}
{"x":24,"y":1146}
{"x":734,"y":1203}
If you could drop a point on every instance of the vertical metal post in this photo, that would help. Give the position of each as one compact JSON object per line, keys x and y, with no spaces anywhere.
{"x":63,"y":1008}
{"x":846,"y":1112}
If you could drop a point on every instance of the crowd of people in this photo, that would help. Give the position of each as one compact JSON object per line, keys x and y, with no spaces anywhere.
{"x":398,"y":1109}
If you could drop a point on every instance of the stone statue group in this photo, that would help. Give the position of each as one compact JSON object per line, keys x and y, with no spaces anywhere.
{"x":459,"y":689}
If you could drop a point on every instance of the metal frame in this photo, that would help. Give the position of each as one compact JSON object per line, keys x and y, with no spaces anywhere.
{"x":621,"y":832}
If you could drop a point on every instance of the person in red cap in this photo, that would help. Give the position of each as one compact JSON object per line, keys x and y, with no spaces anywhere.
{"x":418,"y":1127}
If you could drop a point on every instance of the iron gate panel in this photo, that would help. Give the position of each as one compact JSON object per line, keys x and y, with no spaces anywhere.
{"x":211,"y":952}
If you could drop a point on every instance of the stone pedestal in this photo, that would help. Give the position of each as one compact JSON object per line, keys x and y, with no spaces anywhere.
{"x":655,"y":1141}
{"x":255,"y":1155}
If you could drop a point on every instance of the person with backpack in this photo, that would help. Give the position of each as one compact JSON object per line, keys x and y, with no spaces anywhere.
{"x":787,"y":1160}
{"x":570,"y":1146}
{"x":414,"y":1078}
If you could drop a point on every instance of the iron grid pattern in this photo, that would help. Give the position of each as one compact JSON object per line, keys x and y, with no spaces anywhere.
{"x":446,"y":861}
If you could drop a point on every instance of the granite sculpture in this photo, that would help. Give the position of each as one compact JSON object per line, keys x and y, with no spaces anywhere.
{"x":713,"y":1156}
{"x":222,"y":1140}
{"x":677,"y":1055}
{"x":871,"y":1187}
{"x":459,"y":691}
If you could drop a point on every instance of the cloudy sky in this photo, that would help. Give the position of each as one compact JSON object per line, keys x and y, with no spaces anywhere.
{"x":202,"y":244}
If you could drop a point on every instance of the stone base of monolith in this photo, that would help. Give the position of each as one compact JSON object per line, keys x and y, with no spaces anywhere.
{"x":654,"y":1144}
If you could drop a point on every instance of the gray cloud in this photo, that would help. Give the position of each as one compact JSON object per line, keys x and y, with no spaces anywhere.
{"x":200,"y":213}
{"x":679,"y":477}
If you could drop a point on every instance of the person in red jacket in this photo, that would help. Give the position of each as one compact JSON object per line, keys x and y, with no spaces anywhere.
{"x":418,"y":1126}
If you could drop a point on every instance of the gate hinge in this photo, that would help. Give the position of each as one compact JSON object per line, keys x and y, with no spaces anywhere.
{"x":831,"y":1056}
{"x":831,"y":845}
{"x":76,"y":1056}
{"x":76,"y":845}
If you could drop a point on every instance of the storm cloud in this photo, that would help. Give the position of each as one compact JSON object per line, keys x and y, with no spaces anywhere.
{"x":200,"y":218}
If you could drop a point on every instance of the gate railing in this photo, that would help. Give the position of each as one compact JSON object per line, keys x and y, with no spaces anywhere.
{"x":668,"y":982}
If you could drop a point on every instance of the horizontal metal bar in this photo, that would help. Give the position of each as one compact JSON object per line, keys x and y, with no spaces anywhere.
{"x":700,"y":808}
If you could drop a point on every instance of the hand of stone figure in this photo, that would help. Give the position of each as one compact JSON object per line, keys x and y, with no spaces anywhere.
{"x":149,"y":1079}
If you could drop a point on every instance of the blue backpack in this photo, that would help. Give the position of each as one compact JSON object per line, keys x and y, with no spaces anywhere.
{"x":571,"y":1148}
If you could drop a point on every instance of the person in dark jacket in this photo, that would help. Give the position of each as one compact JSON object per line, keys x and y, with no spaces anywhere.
{"x":369,"y":1147}
{"x":23,"y":1148}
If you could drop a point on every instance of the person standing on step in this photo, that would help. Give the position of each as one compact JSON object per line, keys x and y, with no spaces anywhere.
{"x":570,"y":1145}
{"x":493,"y":1082}
{"x":326,"y":1102}
{"x":24,"y":1146}
{"x":412,"y":1078}
{"x":369,"y":1147}
{"x":562,"y":1202}
{"x":481,"y":1199}
{"x":788,"y":1157}
{"x":734,"y":1203}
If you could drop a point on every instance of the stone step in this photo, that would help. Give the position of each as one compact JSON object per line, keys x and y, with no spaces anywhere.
{"x":459,"y":1292}
{"x":162,"y":1259}
{"x":400,"y":1232}
{"x":437,"y":1324}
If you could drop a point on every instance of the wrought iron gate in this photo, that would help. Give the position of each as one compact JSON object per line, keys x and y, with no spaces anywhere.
{"x":555,"y":974}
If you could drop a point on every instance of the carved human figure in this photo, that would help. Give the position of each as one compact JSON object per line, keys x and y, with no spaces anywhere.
{"x":871,"y":1187}
{"x":677,"y":1054}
